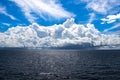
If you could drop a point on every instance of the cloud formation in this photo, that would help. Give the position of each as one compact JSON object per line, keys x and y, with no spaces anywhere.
{"x":6,"y":24}
{"x":42,"y":8}
{"x":67,"y":34}
{"x":92,"y":17}
{"x":111,"y":18}
{"x":113,"y":27}
{"x":3,"y":11}
{"x":101,"y":6}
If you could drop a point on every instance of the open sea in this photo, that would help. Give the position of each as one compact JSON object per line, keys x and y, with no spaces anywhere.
{"x":59,"y":65}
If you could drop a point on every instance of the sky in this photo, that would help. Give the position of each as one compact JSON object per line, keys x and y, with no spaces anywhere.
{"x":60,"y":23}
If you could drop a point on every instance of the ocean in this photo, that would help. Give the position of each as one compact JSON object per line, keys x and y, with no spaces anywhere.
{"x":59,"y":65}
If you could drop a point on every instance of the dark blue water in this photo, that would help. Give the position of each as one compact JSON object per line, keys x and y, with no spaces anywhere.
{"x":59,"y":65}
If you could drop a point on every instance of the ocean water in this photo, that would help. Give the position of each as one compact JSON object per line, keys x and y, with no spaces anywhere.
{"x":59,"y":65}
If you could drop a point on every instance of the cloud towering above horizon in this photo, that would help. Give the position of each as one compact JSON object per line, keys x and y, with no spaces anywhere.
{"x":57,"y":36}
{"x":60,"y":23}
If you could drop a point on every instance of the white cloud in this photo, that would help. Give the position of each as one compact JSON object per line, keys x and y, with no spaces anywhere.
{"x":114,"y":27}
{"x":3,"y":11}
{"x":42,"y":8}
{"x":102,"y":6}
{"x":111,"y":18}
{"x":92,"y":17}
{"x":68,"y":33}
{"x":6,"y":24}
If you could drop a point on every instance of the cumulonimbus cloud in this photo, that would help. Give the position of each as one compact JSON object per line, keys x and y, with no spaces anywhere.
{"x":42,"y":8}
{"x":67,"y":34}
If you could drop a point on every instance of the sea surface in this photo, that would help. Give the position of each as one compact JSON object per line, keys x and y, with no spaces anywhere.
{"x":59,"y":65}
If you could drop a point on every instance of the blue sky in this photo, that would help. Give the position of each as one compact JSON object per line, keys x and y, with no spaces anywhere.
{"x":13,"y":12}
{"x":102,"y":15}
